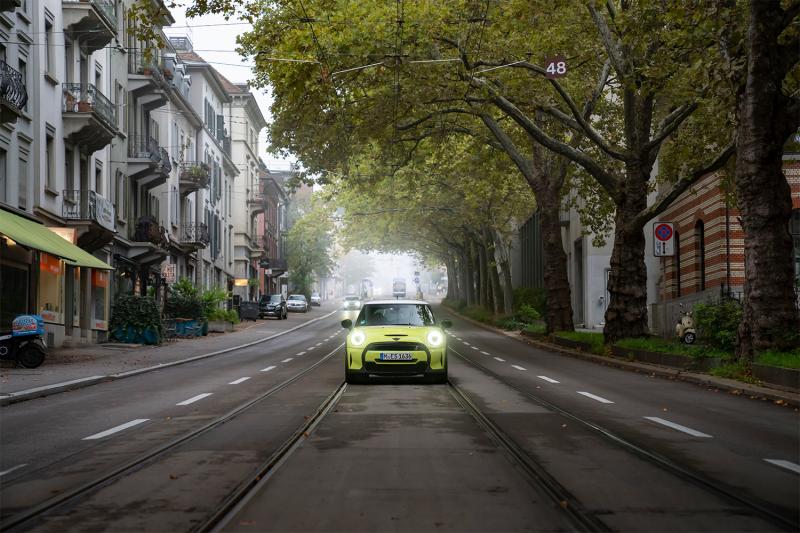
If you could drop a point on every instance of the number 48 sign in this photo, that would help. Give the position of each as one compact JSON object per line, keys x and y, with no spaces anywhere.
{"x":555,"y":66}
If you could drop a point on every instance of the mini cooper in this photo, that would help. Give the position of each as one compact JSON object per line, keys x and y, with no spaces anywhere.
{"x":396,"y":338}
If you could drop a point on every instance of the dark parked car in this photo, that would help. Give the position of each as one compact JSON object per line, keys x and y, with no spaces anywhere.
{"x":272,"y":305}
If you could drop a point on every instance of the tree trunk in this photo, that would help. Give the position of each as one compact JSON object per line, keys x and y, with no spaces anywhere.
{"x":469,"y":279}
{"x":483,"y":285}
{"x":451,"y":279}
{"x":626,"y":315}
{"x":556,"y":282}
{"x":504,"y":277}
{"x":766,"y":119}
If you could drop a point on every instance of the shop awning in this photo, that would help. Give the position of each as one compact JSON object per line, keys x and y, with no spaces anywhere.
{"x":34,"y":235}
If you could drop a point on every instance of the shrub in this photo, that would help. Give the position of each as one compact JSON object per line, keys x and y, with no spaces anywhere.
{"x":232,"y":316}
{"x":527,"y":314}
{"x":509,"y":323}
{"x":478,"y":313}
{"x":211,"y":299}
{"x":217,"y":315}
{"x":138,"y":313}
{"x":717,"y":323}
{"x":533,"y":297}
{"x":183,"y":301}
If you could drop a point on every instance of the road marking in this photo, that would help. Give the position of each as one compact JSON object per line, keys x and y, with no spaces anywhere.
{"x":309,"y":349}
{"x":498,"y":359}
{"x":287,"y":360}
{"x":517,"y":367}
{"x":549,"y":380}
{"x":267,"y":369}
{"x":474,"y":347}
{"x":4,"y":472}
{"x":788,"y":465}
{"x":318,"y":344}
{"x":195,"y":398}
{"x":466,"y":343}
{"x":298,"y":354}
{"x":113,"y":430}
{"x":485,"y":353}
{"x":240,"y":380}
{"x":673,"y":425}
{"x":594,"y":397}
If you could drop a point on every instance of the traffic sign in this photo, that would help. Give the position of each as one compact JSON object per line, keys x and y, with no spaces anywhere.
{"x":664,"y":239}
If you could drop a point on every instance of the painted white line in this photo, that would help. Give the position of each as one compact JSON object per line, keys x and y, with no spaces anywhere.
{"x":53,"y":386}
{"x":4,"y":472}
{"x":517,"y":367}
{"x":240,"y":380}
{"x":113,"y":430}
{"x":594,"y":396}
{"x":459,"y":338}
{"x":498,"y":359}
{"x":310,"y":348}
{"x":466,"y":343}
{"x":485,"y":353}
{"x":673,"y":425}
{"x":195,"y":398}
{"x":788,"y":465}
{"x":474,"y":347}
{"x":549,"y":380}
{"x":287,"y":360}
{"x":267,"y":369}
{"x":318,"y":344}
{"x":298,"y":354}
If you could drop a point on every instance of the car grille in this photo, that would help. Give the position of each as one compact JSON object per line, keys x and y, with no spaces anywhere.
{"x":395,"y":369}
{"x":396,"y":347}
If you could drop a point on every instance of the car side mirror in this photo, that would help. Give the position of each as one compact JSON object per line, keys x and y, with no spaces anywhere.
{"x":446,"y":324}
{"x":347,"y":324}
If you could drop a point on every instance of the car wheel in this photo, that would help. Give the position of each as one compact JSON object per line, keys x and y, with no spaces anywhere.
{"x":689,"y":338}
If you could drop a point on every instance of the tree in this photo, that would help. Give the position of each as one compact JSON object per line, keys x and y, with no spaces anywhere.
{"x":308,"y":249}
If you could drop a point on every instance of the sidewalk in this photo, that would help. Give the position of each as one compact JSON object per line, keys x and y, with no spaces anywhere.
{"x":70,"y":368}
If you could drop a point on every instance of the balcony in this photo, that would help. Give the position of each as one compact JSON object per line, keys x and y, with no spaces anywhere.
{"x":193,"y":177}
{"x":10,"y":5}
{"x":194,"y":236}
{"x":13,"y":93}
{"x":92,"y":215}
{"x":148,"y":163}
{"x":90,"y":119}
{"x":92,"y":22}
{"x":147,"y":80}
{"x":256,"y":244}
{"x":277,"y":266}
{"x":256,"y":203}
{"x":150,"y":242}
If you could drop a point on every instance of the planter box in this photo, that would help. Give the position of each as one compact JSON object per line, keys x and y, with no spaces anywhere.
{"x":674,"y":360}
{"x":219,"y":326}
{"x":785,"y":377}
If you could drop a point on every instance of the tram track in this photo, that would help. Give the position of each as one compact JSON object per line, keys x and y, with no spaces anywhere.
{"x":777,"y":519}
{"x":41,"y":509}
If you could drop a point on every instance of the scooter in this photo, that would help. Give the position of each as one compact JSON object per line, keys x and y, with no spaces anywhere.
{"x":25,"y":344}
{"x":685,"y":330}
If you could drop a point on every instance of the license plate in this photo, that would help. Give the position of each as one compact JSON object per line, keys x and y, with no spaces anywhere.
{"x":397,"y":357}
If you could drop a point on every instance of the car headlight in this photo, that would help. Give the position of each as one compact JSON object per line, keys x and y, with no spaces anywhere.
{"x":357,"y":338}
{"x":435,"y":338}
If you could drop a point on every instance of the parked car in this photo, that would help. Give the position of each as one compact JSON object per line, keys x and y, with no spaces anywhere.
{"x":316,"y":299}
{"x":272,"y":305}
{"x":297,"y":302}
{"x":352,"y":302}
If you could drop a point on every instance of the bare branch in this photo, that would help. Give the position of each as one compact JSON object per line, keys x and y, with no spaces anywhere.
{"x":670,"y":123}
{"x":611,"y":45}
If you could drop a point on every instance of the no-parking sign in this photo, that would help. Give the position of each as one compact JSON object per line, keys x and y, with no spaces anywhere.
{"x":663,"y":239}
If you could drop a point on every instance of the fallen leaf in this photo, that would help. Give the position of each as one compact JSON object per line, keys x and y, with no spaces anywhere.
{"x":563,"y":504}
{"x":305,"y":434}
{"x":173,"y":476}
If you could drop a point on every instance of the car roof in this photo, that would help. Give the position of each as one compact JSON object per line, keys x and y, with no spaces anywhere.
{"x":410,"y":302}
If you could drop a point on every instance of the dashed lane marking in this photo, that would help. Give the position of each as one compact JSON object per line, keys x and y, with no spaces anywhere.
{"x":474,"y":347}
{"x":517,"y":367}
{"x":298,"y":354}
{"x":673,"y":425}
{"x":549,"y":380}
{"x":788,"y":465}
{"x":4,"y":472}
{"x":240,"y":380}
{"x":310,"y":348}
{"x":267,"y":369}
{"x":195,"y":398}
{"x":287,"y":360}
{"x":594,"y":397}
{"x":484,"y":353}
{"x":116,"y":429}
{"x":498,"y":359}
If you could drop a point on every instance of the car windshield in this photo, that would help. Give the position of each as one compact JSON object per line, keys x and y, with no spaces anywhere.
{"x":297,"y":297}
{"x":275,"y":298}
{"x":351,"y":298}
{"x":392,"y":314}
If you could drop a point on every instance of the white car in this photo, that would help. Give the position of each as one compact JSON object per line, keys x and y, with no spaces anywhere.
{"x":297,"y":302}
{"x":316,"y":299}
{"x":352,"y":302}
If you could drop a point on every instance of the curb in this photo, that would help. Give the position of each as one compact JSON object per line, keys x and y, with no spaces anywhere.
{"x":56,"y":388}
{"x":736,"y":388}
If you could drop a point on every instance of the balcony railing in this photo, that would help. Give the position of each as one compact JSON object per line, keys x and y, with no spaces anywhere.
{"x":143,"y":147}
{"x":88,"y":205}
{"x":194,"y":234}
{"x":195,"y":172}
{"x":278,"y":263}
{"x":149,"y":230}
{"x":107,"y":7}
{"x":12,"y":86}
{"x":86,"y":98}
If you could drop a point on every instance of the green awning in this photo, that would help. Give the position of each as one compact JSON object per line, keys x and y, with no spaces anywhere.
{"x":34,"y":235}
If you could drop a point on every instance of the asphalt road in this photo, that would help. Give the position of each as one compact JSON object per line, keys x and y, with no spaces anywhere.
{"x":400,"y":456}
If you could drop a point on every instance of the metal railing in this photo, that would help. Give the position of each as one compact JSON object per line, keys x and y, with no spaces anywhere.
{"x":194,"y":233}
{"x":149,"y":230}
{"x":107,"y":7}
{"x":195,"y":172}
{"x":165,"y":162}
{"x":86,"y":98}
{"x":88,"y":205}
{"x":143,"y":147}
{"x":12,"y":86}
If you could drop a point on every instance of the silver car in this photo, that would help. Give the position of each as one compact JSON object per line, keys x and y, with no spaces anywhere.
{"x":297,"y":302}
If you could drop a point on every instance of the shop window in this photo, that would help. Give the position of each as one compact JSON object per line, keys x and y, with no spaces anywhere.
{"x":14,"y":294}
{"x":100,"y":299}
{"x":700,"y":255}
{"x":51,"y":288}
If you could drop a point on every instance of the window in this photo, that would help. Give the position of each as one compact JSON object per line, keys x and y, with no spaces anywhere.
{"x":120,"y":100}
{"x":98,"y":77}
{"x":48,"y":46}
{"x":51,"y":288}
{"x":49,"y":162}
{"x":69,"y":169}
{"x":119,"y":198}
{"x":700,"y":255}
{"x":23,"y":178}
{"x":23,"y":70}
{"x":100,"y":299}
{"x":98,"y":178}
{"x":174,"y":205}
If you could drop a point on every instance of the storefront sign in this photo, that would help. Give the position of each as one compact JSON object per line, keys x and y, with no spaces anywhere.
{"x":240,"y":282}
{"x":68,"y":234}
{"x":99,"y":278}
{"x":104,"y":212}
{"x":168,"y":272}
{"x":664,"y":239}
{"x":49,"y":263}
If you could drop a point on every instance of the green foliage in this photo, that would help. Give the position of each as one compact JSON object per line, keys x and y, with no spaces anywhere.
{"x":717,"y":323}
{"x":211,"y":299}
{"x":527,"y":314}
{"x":739,"y":371}
{"x":782,"y":359}
{"x":509,"y":323}
{"x":596,"y":341}
{"x":528,"y":296}
{"x":137,"y":312}
{"x":537,"y":328}
{"x":657,"y":344}
{"x":308,"y":248}
{"x":183,"y":301}
{"x":476,"y":312}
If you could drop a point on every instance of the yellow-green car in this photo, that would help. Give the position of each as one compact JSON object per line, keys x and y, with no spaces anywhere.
{"x":396,"y":338}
